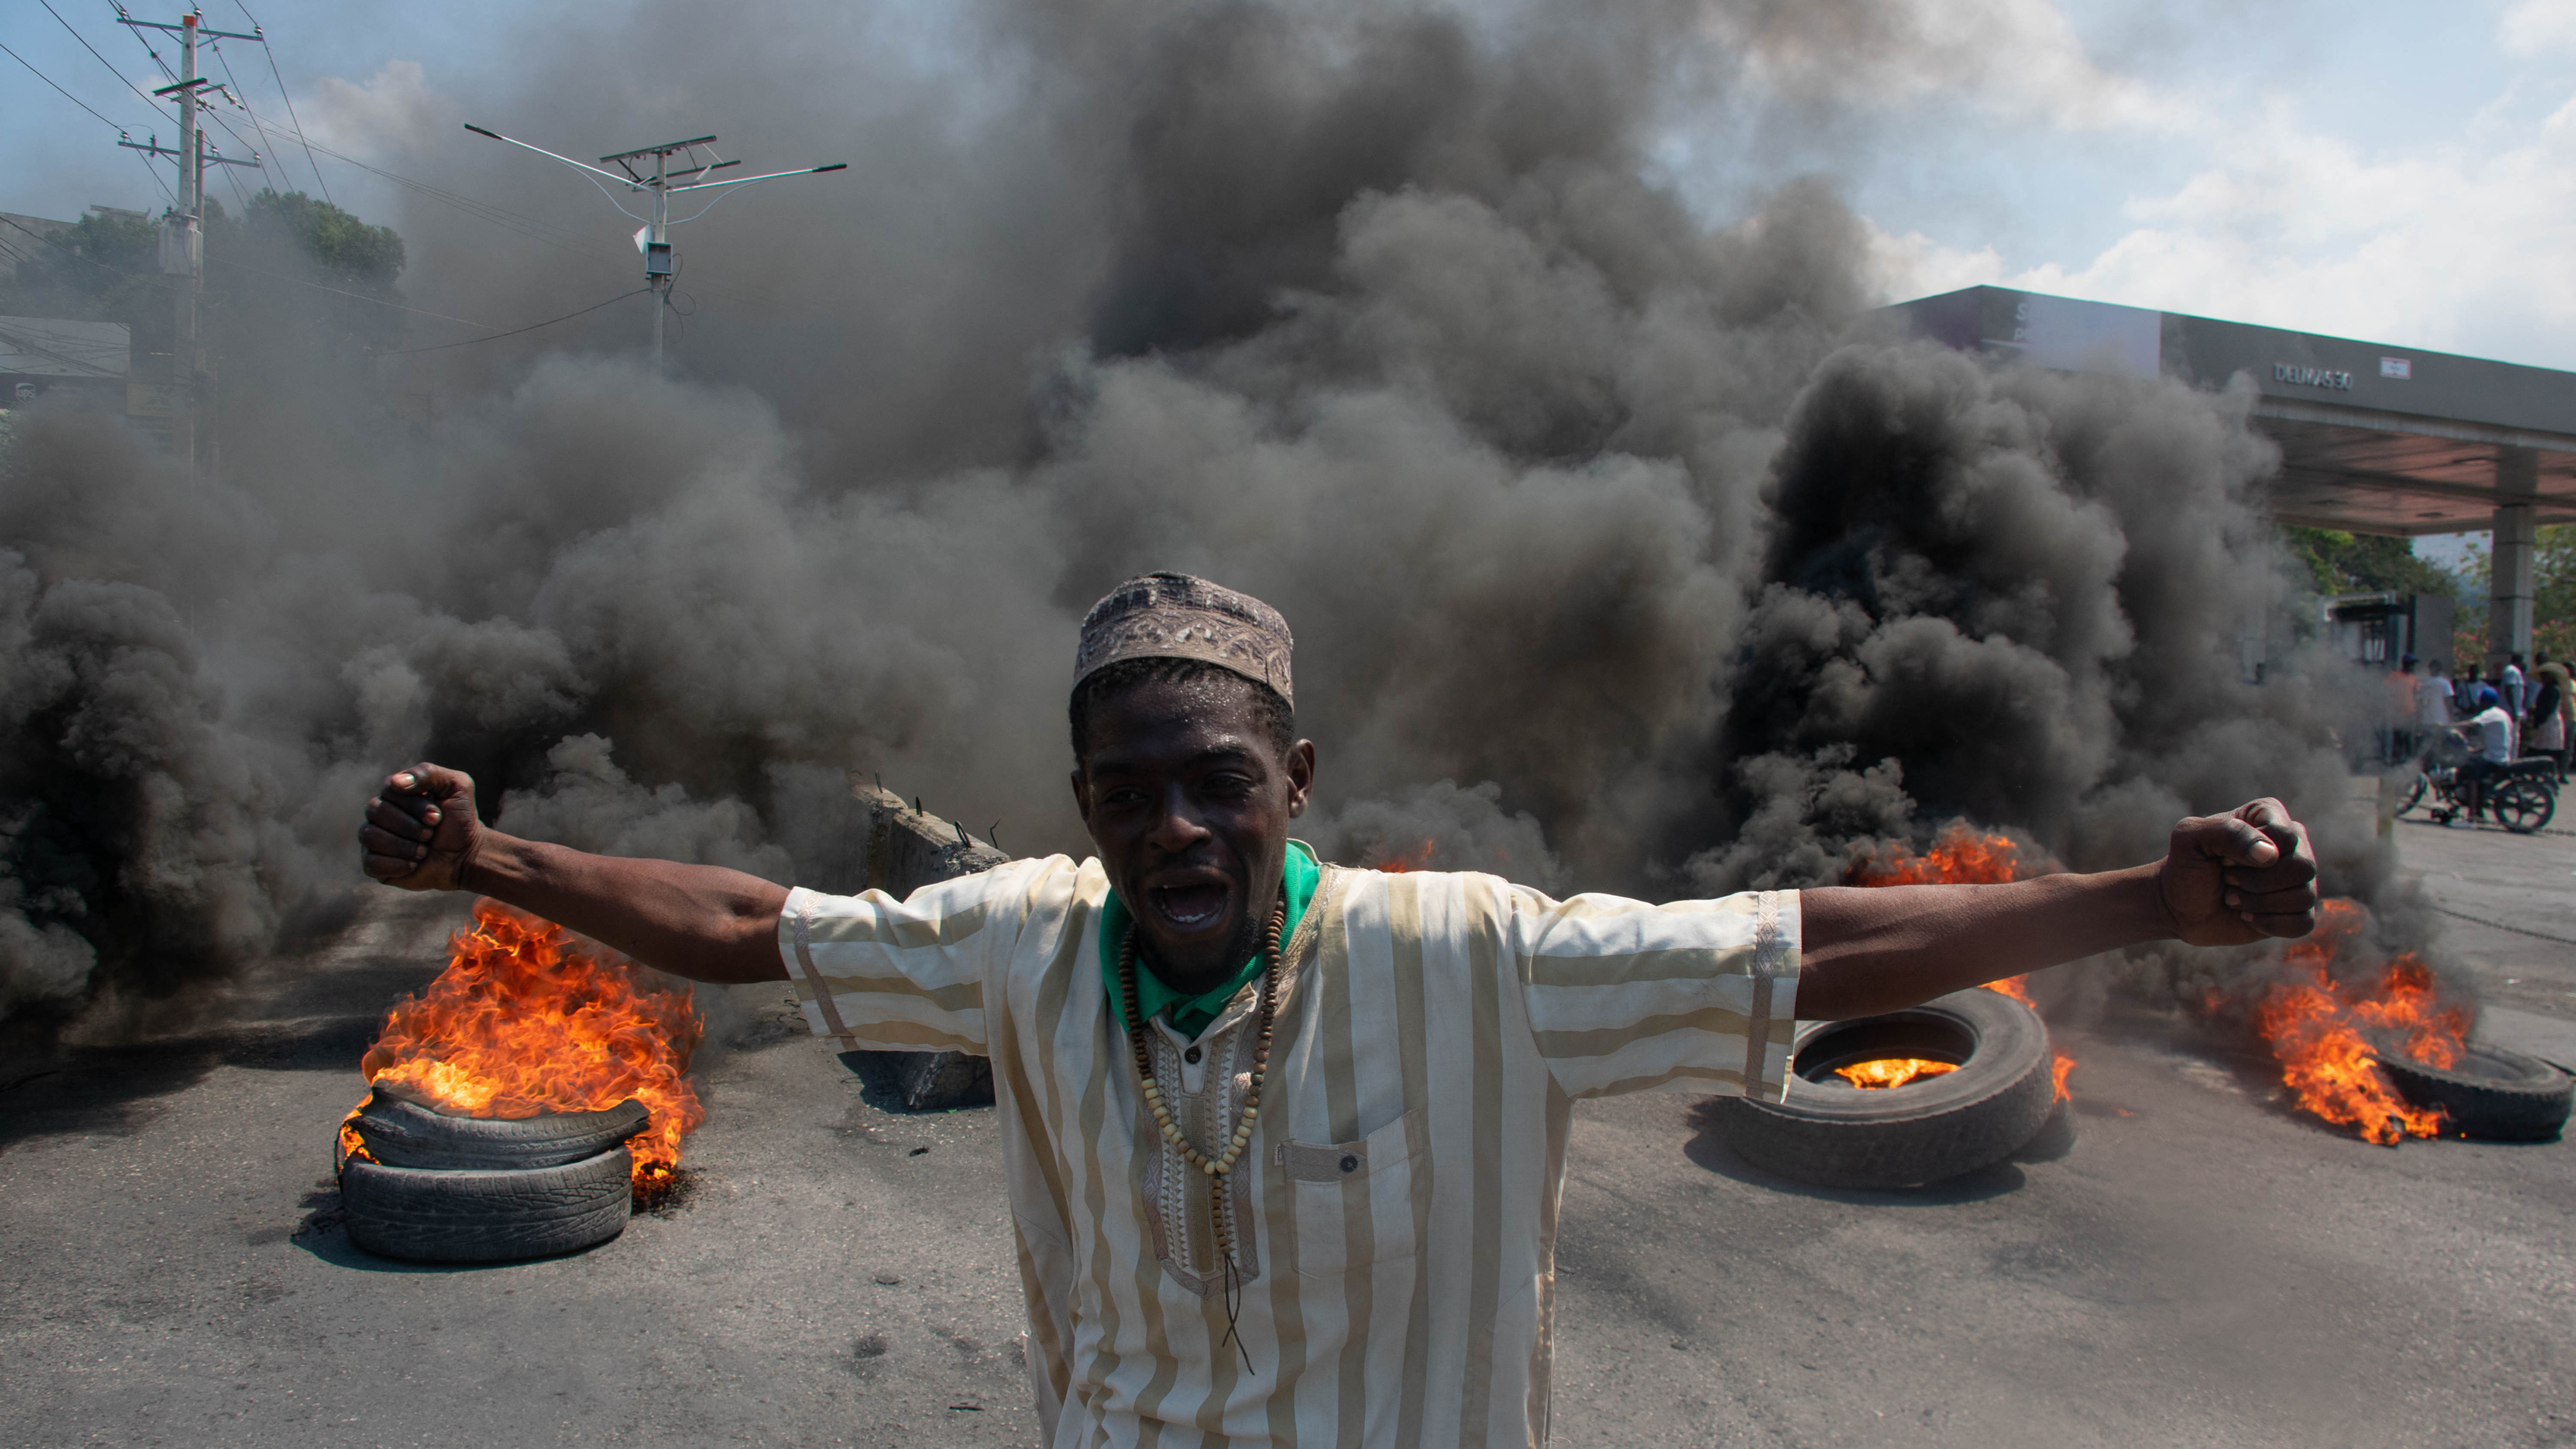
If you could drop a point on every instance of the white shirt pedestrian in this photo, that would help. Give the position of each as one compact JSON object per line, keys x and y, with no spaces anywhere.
{"x":2432,"y":702}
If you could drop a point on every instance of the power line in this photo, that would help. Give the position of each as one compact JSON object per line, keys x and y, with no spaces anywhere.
{"x":24,"y":342}
{"x":51,"y":242}
{"x":256,"y":158}
{"x":49,"y":80}
{"x":217,"y":121}
{"x":139,"y":40}
{"x":234,"y":95}
{"x":256,"y":272}
{"x":271,"y":52}
{"x":500,"y":216}
{"x":93,"y":50}
{"x":339,"y":292}
{"x":156,"y":178}
{"x":531,"y":327}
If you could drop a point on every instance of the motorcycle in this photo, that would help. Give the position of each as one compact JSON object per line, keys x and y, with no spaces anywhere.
{"x":2522,"y":795}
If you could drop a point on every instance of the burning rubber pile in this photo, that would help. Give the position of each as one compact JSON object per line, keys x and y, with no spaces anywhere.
{"x":2369,"y":1041}
{"x":1911,"y":1097}
{"x":521,"y":1103}
{"x":1914,"y":1096}
{"x":2374,"y":1044}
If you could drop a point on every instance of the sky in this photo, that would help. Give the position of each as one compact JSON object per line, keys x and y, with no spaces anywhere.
{"x":2400,"y":173}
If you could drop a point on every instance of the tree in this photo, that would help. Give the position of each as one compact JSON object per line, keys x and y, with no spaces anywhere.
{"x":300,"y":281}
{"x":295,"y":278}
{"x":343,"y":246}
{"x":2344,"y":563}
{"x":98,"y":269}
{"x":2553,"y":602}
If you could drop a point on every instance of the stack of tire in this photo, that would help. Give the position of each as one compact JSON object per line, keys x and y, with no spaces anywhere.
{"x":449,"y":1189}
{"x":2491,"y":1092}
{"x":1833,"y":1134}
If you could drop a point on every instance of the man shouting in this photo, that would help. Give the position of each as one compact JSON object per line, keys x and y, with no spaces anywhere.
{"x":1286,"y":1140}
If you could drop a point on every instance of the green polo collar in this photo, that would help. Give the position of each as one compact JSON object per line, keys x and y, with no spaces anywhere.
{"x":1191,"y":1014}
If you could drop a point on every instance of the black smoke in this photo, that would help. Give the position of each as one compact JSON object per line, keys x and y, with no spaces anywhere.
{"x":1622,"y":552}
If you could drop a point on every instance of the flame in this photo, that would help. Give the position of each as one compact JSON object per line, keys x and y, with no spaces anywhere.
{"x":524,"y":1020}
{"x":1892,"y":1072}
{"x":1419,"y":859}
{"x":2405,"y":1010}
{"x":1960,"y":857}
{"x":2322,"y":1031}
{"x":1964,"y":857}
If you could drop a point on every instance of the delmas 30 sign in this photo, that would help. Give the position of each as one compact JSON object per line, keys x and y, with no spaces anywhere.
{"x":2312,"y":376}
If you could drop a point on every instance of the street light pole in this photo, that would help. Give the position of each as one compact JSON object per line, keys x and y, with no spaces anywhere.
{"x":660,"y":236}
{"x":654,"y":239}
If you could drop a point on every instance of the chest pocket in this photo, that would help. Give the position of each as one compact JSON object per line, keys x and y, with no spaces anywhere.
{"x":1355,"y":1203}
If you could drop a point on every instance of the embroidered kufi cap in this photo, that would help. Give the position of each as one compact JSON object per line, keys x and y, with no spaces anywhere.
{"x":1178,"y":616}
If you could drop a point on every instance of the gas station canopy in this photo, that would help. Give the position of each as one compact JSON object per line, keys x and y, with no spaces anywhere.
{"x":2374,"y":438}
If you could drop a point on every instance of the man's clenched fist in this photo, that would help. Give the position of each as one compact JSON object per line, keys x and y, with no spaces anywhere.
{"x":421,"y":831}
{"x":2239,"y":877}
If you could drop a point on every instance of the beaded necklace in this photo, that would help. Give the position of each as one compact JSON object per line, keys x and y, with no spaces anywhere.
{"x":1217,"y":1167}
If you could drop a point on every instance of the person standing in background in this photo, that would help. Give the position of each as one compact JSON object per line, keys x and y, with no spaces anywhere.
{"x":2432,"y":704}
{"x":2396,"y":737}
{"x":2511,"y":685}
{"x":2548,"y":719}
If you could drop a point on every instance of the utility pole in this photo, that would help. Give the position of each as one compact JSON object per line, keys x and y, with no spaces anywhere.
{"x":183,"y":251}
{"x":654,"y":240}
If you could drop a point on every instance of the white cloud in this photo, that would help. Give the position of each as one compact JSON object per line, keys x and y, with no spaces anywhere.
{"x":1914,"y":265}
{"x":2454,"y":247}
{"x":2441,"y":247}
{"x":2535,"y":26}
{"x":2017,"y":58}
{"x":394,"y":112}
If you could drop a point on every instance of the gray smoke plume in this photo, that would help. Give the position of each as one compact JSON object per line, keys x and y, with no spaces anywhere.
{"x":1622,"y":553}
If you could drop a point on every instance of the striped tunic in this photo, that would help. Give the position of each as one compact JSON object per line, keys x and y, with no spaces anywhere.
{"x":1396,"y":1211}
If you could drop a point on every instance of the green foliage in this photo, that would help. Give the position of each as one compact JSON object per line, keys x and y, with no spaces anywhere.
{"x":99,"y":269}
{"x":2553,"y":604}
{"x":266,"y":275}
{"x":2344,"y":563}
{"x":336,"y":241}
{"x":298,"y":284}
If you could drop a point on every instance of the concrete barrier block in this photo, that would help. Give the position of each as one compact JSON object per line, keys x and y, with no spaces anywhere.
{"x":909,"y":848}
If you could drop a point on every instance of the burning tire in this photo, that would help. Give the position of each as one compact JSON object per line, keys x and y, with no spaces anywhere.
{"x":1987,"y":1090}
{"x":401,"y":1130}
{"x":2492,"y":1093}
{"x":420,"y":1184}
{"x":469,"y":1215}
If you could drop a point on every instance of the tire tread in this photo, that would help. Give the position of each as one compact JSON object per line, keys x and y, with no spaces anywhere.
{"x":2532,"y":1106}
{"x":453,"y":1215}
{"x":1898,"y":1147}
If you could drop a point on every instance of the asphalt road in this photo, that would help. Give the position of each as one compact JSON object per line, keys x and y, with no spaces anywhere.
{"x":2197,"y":1265}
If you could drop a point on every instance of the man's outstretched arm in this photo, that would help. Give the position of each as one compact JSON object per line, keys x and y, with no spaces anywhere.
{"x":2225,"y":880}
{"x":698,"y":921}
